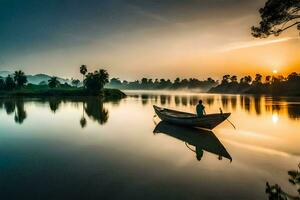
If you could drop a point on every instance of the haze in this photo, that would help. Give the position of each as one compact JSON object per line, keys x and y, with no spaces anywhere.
{"x":134,"y":39}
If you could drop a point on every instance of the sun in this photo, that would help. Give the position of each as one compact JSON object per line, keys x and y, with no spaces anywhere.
{"x":275,"y":71}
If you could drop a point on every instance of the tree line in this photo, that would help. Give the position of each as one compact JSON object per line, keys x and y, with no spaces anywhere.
{"x":159,"y":84}
{"x":91,"y":81}
{"x":277,"y":85}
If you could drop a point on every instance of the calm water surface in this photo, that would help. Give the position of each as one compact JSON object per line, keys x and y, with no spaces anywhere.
{"x":88,"y":149}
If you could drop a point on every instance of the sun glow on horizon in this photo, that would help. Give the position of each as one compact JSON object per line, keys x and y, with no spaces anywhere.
{"x":275,"y":71}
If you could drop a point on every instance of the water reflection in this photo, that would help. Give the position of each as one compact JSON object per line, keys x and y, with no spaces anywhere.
{"x":54,"y":104}
{"x":16,"y":107}
{"x":20,"y":113}
{"x":258,"y":105}
{"x":95,"y":110}
{"x":276,"y":193}
{"x":92,"y":107}
{"x":196,"y":140}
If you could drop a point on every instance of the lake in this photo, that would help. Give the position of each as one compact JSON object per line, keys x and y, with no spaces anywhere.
{"x":87,"y":149}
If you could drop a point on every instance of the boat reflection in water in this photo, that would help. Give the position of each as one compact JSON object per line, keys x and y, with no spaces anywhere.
{"x":202,"y":140}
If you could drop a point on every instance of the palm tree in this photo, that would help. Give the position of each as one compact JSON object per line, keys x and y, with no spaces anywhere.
{"x":20,"y":78}
{"x":96,"y":81}
{"x":83,"y":71}
{"x":53,"y":82}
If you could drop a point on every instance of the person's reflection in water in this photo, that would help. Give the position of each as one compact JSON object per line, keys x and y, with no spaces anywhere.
{"x":199,"y":153}
{"x":196,"y":140}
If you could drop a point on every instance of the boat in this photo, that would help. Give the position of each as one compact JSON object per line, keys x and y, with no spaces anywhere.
{"x":200,"y":139}
{"x":208,"y":121}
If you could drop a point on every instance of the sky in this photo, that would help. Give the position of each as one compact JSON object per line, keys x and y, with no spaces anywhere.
{"x":141,"y":38}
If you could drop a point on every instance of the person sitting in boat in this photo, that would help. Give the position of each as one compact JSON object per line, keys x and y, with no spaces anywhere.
{"x":200,"y":109}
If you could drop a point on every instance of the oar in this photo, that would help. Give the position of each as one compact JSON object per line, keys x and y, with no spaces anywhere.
{"x":228,"y":119}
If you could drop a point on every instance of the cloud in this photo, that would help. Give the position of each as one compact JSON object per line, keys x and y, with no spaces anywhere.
{"x":256,"y":43}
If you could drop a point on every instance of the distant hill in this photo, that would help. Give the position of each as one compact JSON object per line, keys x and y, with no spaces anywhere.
{"x":37,"y":78}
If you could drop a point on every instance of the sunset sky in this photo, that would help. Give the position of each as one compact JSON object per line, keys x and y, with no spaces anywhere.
{"x":141,"y":38}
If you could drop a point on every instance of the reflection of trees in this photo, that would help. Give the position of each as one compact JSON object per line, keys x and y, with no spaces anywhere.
{"x":95,"y":110}
{"x":10,"y":106}
{"x":145,"y":98}
{"x":184,"y":100}
{"x":233,"y":100}
{"x":177,"y":100}
{"x":194,"y":100}
{"x":276,"y":193}
{"x":210,"y":100}
{"x":163,"y":99}
{"x":15,"y":106}
{"x":54,"y":104}
{"x":20,"y":114}
{"x":294,"y":111}
{"x":257,"y":105}
{"x":246,"y":103}
{"x":224,"y":100}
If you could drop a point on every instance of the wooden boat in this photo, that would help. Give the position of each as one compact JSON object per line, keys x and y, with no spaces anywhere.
{"x":200,"y":139}
{"x":209,"y":121}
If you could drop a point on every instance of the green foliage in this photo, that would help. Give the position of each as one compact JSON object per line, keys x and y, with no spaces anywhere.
{"x":9,"y":83}
{"x":149,"y":84}
{"x":276,"y":17}
{"x":2,"y":84}
{"x":95,"y":81}
{"x":53,"y":82}
{"x":20,"y":78}
{"x":75,"y":82}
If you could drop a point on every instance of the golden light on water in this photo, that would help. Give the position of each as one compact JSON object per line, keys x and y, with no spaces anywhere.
{"x":275,"y":118}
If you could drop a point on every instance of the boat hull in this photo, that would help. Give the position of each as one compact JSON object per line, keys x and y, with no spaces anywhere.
{"x":209,"y":121}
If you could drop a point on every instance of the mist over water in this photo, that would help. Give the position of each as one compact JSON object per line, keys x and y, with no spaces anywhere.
{"x":85,"y":148}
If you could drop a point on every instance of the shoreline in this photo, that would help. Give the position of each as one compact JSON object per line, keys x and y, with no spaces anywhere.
{"x":64,"y":93}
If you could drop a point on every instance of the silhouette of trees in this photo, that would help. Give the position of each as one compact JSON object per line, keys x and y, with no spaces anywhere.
{"x":20,"y":78}
{"x":277,"y":85}
{"x":226,"y":79}
{"x":276,"y":193}
{"x":2,"y":84}
{"x":258,"y":79}
{"x":75,"y":82}
{"x":157,"y":84}
{"x":96,"y":81}
{"x":53,"y":82}
{"x":9,"y":83}
{"x":276,"y":17}
{"x":83,"y":71}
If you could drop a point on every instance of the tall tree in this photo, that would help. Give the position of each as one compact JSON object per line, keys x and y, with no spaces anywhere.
{"x":276,"y":17}
{"x":20,"y":78}
{"x":83,"y":71}
{"x":9,"y":83}
{"x":96,"y":81}
{"x":53,"y":82}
